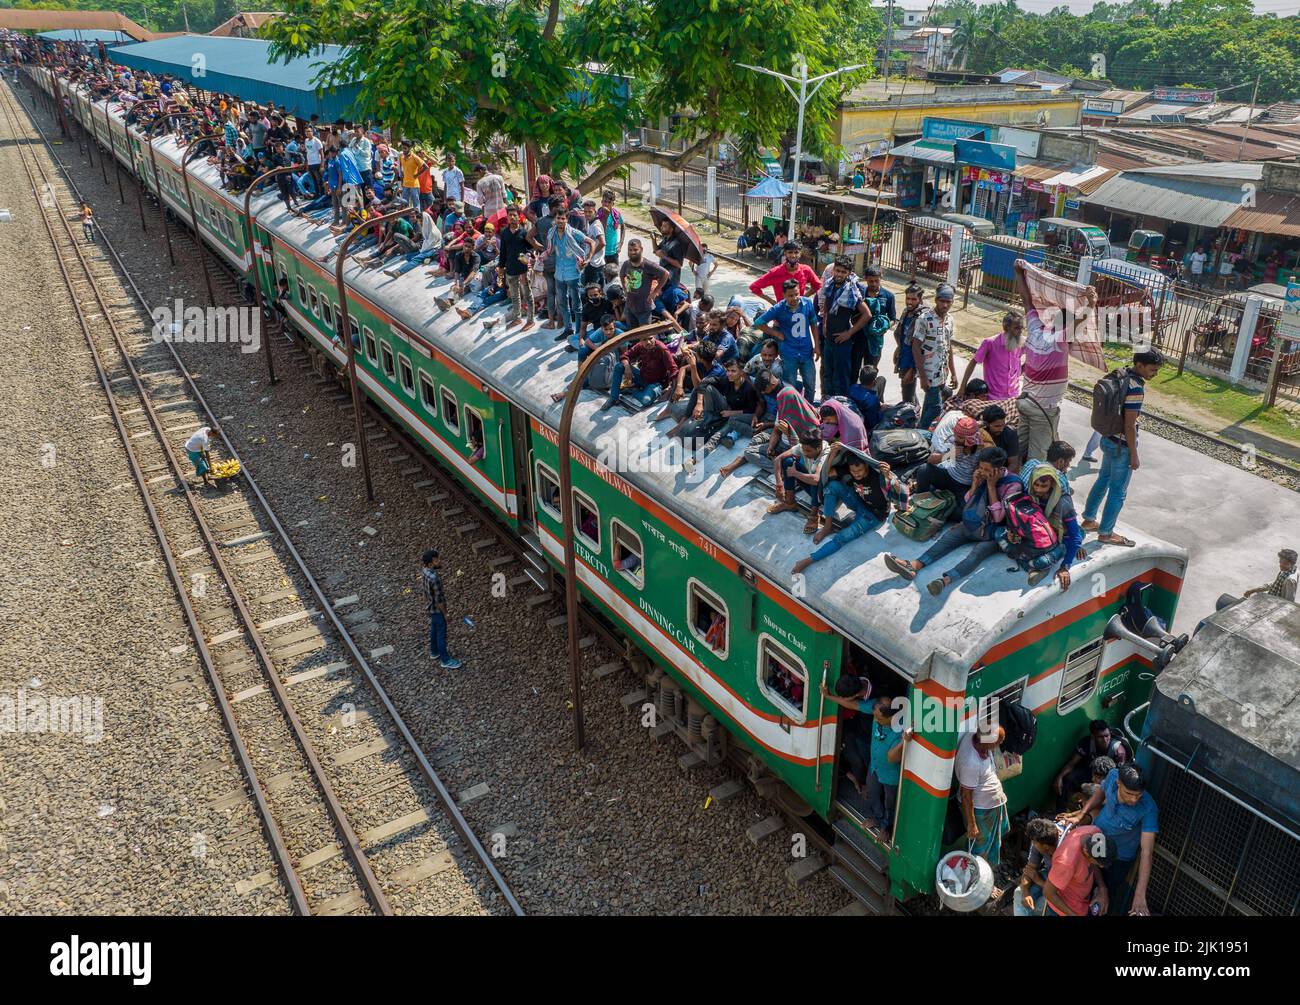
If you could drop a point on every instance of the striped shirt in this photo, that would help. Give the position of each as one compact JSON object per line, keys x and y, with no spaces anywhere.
{"x":432,"y":588}
{"x":793,"y":408}
{"x":1047,"y":363}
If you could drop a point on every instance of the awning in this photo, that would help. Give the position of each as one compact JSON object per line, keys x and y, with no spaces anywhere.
{"x":1079,"y":177}
{"x":880,"y":164}
{"x":930,"y":151}
{"x":1039,"y":172}
{"x":1185,"y":200}
{"x":1271,"y":214}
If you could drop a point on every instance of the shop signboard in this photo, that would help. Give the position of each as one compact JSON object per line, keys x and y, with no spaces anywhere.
{"x":1072,"y":204}
{"x":1025,"y":141}
{"x":952,"y":129}
{"x":1103,"y":106}
{"x":998,"y":156}
{"x":1289,"y":326}
{"x":1184,"y":95}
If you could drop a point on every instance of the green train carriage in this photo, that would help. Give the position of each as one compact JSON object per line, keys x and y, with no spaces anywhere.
{"x":707,"y":550}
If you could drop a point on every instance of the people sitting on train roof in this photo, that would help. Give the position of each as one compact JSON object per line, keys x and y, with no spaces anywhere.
{"x":865,"y":488}
{"x":1042,"y":527}
{"x":793,"y":416}
{"x":464,"y":264}
{"x":799,"y":470}
{"x":1100,"y":741}
{"x":648,"y":366}
{"x":1284,"y":583}
{"x":840,"y":423}
{"x":997,"y":431}
{"x":491,"y":292}
{"x":398,"y":240}
{"x":983,"y":510}
{"x":430,"y":246}
{"x":768,"y":357}
{"x":725,"y":400}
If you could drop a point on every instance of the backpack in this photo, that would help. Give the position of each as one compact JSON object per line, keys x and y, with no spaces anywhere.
{"x":926,"y":515}
{"x":1029,"y":532}
{"x":601,"y":373}
{"x":901,"y":416}
{"x":1108,"y":402}
{"x":899,"y":448}
{"x":1021,"y":726}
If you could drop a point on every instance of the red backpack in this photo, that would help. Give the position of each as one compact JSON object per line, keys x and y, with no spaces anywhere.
{"x":1029,"y":532}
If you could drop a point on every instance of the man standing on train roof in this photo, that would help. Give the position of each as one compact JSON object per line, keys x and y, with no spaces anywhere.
{"x":788,"y":268}
{"x":437,"y":608}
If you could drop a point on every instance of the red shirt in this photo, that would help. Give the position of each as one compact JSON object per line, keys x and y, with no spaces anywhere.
{"x":773,"y":278}
{"x":654,"y":361}
{"x":1072,"y":874}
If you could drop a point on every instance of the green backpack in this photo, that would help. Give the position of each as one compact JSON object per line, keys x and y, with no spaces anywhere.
{"x":926,"y":515}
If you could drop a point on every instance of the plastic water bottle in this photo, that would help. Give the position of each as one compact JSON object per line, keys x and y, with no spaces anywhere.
{"x":469,"y":623}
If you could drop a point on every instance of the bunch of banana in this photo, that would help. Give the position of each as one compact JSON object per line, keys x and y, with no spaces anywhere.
{"x":225,"y":469}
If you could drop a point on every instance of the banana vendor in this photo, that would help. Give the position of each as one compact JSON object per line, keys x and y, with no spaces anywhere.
{"x":198,"y":447}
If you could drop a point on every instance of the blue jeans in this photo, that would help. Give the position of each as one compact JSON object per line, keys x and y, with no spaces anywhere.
{"x":1112,"y":485}
{"x":569,"y":294}
{"x":801,"y":374}
{"x":438,"y":637}
{"x":640,"y":391}
{"x":1045,"y":560}
{"x":881,"y":799}
{"x":793,"y":486}
{"x":931,"y":407}
{"x":482,"y":300}
{"x":953,"y":537}
{"x":412,"y":195}
{"x":839,"y":367}
{"x":863,"y":520}
{"x":415,"y":258}
{"x":1040,"y":903}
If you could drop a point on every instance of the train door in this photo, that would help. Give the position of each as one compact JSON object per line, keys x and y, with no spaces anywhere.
{"x":522,"y":455}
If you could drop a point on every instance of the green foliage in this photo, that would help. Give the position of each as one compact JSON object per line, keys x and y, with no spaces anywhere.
{"x":455,"y":73}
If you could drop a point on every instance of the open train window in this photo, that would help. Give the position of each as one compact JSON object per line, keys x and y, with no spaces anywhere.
{"x":302,"y":291}
{"x":626,"y":550}
{"x":450,"y":415}
{"x":474,"y":433}
{"x":405,"y":375}
{"x":372,"y":349}
{"x":352,"y":327}
{"x":1082,"y":671}
{"x":706,"y":614}
{"x":313,"y":300}
{"x":428,"y":396}
{"x":386,"y":360}
{"x":783,"y":678}
{"x":327,"y":313}
{"x":586,"y":519}
{"x":548,"y":490}
{"x":990,"y":704}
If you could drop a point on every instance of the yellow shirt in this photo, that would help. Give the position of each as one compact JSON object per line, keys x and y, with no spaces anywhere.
{"x":411,"y":165}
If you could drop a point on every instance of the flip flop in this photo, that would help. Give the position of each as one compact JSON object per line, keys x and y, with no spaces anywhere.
{"x":896,"y":565}
{"x":1089,"y":525}
{"x":1118,"y":540}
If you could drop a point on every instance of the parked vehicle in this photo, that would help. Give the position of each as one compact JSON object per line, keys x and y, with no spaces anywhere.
{"x":1146,"y":247}
{"x":1075,"y":238}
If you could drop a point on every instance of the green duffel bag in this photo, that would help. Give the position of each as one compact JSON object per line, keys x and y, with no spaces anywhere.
{"x":926,"y":515}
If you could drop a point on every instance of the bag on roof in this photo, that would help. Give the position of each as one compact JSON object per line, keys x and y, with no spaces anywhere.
{"x":1029,"y":532}
{"x":1108,"y":402}
{"x":904,"y":415}
{"x":926,"y":514}
{"x":1020,"y":725}
{"x":899,"y":448}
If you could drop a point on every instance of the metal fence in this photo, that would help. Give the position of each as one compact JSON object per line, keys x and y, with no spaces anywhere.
{"x":688,"y":189}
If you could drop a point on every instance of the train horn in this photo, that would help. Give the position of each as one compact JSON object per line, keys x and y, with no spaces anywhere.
{"x":1160,"y":649}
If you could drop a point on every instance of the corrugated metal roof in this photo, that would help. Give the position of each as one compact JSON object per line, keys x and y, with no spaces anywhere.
{"x":241,"y":66}
{"x":86,"y":35}
{"x":1185,"y":200}
{"x":1271,"y":214}
{"x":1209,"y":170}
{"x":1156,"y":108}
{"x":41,"y":20}
{"x":919,"y":151}
{"x":1040,"y":172}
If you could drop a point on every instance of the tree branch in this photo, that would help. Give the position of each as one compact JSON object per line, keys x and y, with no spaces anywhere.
{"x":552,"y":16}
{"x":644,"y":155}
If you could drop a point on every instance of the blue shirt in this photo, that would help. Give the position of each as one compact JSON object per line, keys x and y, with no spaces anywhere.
{"x":868,"y":405}
{"x":727,"y":348}
{"x":1125,"y":825}
{"x":797,"y":325}
{"x":566,"y":250}
{"x":883,"y":740}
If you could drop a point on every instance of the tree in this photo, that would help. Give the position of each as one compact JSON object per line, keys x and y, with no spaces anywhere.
{"x":456,"y":73}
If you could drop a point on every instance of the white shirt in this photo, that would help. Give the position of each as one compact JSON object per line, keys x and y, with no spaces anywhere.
{"x":363,"y":151}
{"x":313,"y":147}
{"x":200,"y":441}
{"x":453,"y":182}
{"x":1198,"y":262}
{"x":980,"y":774}
{"x":705,"y":267}
{"x":941,"y":440}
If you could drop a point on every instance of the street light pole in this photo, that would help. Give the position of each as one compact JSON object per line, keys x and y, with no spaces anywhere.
{"x":802,"y":97}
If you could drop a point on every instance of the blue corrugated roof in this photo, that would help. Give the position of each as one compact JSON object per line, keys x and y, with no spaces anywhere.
{"x":242,"y":67}
{"x":86,"y":35}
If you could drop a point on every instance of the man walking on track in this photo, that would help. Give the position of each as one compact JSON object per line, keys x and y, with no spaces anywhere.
{"x":437,"y":607}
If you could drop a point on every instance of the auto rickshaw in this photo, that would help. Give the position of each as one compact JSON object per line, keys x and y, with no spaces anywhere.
{"x":1070,"y":239}
{"x":1146,"y":247}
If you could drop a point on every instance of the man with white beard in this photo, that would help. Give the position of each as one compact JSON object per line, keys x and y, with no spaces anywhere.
{"x":1002,"y":357}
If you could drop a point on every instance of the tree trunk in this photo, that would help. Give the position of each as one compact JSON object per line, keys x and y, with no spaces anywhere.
{"x":598,"y":175}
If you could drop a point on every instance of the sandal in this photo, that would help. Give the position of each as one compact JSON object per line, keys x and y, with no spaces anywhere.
{"x":1118,"y":540}
{"x":937,"y":586}
{"x":897,"y":565}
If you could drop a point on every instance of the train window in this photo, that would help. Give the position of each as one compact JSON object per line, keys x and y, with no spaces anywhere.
{"x":326,"y":313}
{"x":548,"y":490}
{"x":989,"y":704}
{"x":302,"y":291}
{"x":706,"y":615}
{"x":406,"y":375}
{"x":386,"y":360}
{"x":352,"y":326}
{"x":313,"y":300}
{"x":474,"y":434}
{"x":626,"y":550}
{"x":586,"y":519}
{"x":372,"y":351}
{"x":427,"y":394}
{"x":782,"y":678}
{"x":450,"y":414}
{"x":1079,"y":680}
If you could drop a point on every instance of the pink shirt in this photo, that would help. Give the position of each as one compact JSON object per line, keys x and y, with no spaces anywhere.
{"x":1001,"y":367}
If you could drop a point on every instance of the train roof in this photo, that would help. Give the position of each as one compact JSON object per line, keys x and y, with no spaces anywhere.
{"x":1245,"y":657}
{"x":852,"y":590}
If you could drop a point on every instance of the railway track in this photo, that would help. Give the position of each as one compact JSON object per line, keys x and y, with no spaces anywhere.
{"x":355,"y":813}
